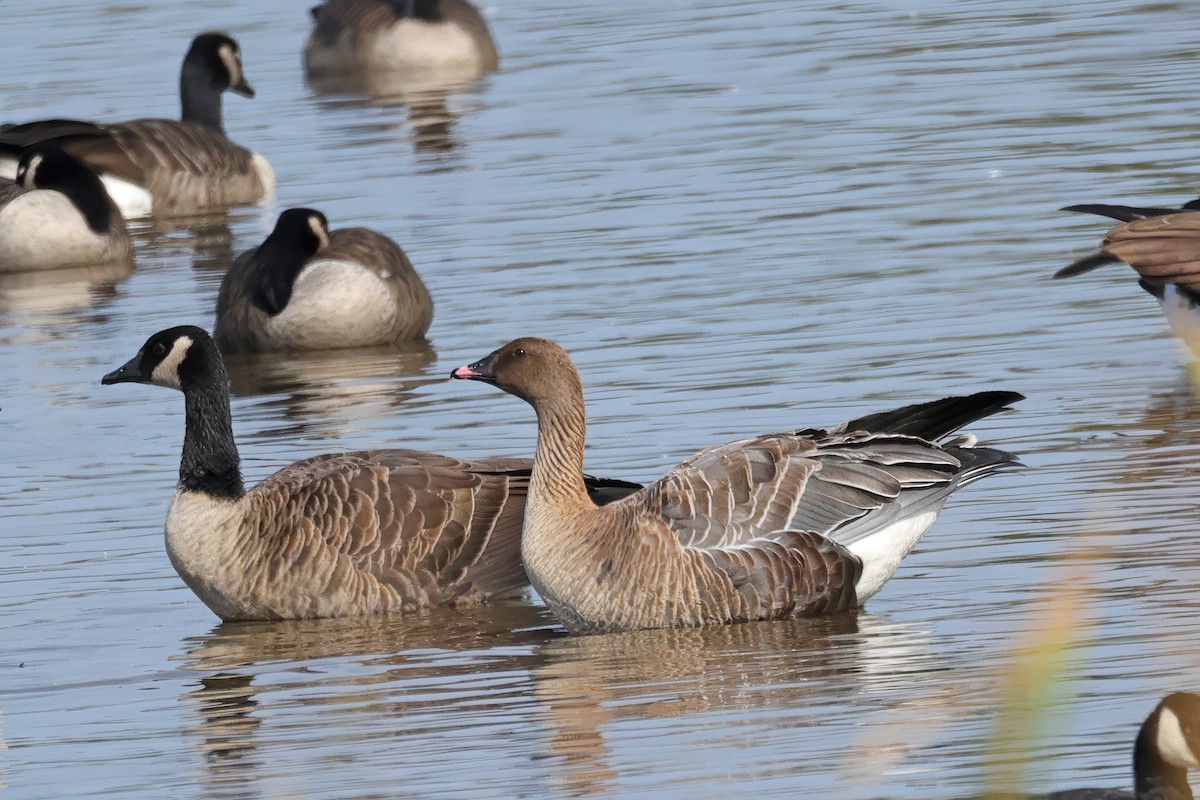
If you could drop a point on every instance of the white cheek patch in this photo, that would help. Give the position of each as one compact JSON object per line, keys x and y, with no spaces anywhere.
{"x":1171,"y":742}
{"x":28,"y":176}
{"x":319,"y":230}
{"x":167,"y":371}
{"x":231,"y":62}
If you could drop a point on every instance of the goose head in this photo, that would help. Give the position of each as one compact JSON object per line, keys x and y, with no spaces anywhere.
{"x":536,"y":370}
{"x":299,"y":234}
{"x":1175,"y":729}
{"x":215,"y":60}
{"x":45,"y":166}
{"x":183,"y":358}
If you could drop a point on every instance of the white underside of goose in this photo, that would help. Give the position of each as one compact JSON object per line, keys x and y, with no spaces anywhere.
{"x":882,"y":551}
{"x":43,"y":229}
{"x":336,"y":304}
{"x":8,"y":167}
{"x":1183,"y":316}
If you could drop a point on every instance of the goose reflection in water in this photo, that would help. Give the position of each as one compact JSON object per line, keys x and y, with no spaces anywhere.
{"x":50,"y":298}
{"x":413,"y":691}
{"x":432,"y":109}
{"x":327,"y":393}
{"x":206,"y":239}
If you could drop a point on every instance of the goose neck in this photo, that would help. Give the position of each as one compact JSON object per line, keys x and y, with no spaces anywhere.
{"x":201,"y":101}
{"x":1154,"y":777}
{"x":558,"y":464}
{"x":210,"y":462}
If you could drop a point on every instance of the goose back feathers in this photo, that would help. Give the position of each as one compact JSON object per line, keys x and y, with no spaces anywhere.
{"x":1163,"y":247}
{"x":805,"y":522}
{"x":168,"y":166}
{"x":306,"y":288}
{"x":57,"y":215}
{"x":359,"y":533}
{"x":425,"y":36}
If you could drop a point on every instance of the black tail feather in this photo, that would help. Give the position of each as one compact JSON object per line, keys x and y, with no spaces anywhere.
{"x":1086,"y":264}
{"x":1127,"y":213}
{"x":934,"y":420}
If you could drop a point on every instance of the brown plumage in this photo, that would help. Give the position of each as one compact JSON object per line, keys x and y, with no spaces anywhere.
{"x":1163,"y":247}
{"x":183,"y":166}
{"x":306,"y":288}
{"x":806,"y":522}
{"x":382,"y":531}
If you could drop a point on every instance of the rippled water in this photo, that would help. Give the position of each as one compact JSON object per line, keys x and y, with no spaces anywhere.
{"x":739,"y":217}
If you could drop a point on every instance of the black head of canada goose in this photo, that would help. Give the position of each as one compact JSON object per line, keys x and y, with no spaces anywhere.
{"x":1163,"y":247}
{"x":58,"y":215}
{"x":306,"y":288}
{"x":416,"y":36}
{"x":166,"y":166}
{"x":381,"y":531}
{"x":1167,"y":746}
{"x":798,"y":523}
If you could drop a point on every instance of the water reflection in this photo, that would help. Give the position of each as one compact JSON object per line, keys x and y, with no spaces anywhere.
{"x":328,"y":392}
{"x":207,"y":236}
{"x":42,"y":298}
{"x":428,"y":105}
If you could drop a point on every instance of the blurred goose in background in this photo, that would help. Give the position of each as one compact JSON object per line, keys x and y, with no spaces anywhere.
{"x":1163,"y":247}
{"x":800,"y":523}
{"x":162,"y":166}
{"x":372,"y":532}
{"x":1167,"y":746}
{"x":305,"y":288}
{"x":430,"y":38}
{"x":58,"y":215}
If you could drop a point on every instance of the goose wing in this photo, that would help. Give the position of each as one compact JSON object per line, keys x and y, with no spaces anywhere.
{"x":95,"y":145}
{"x":1163,"y":250}
{"x":811,"y":480}
{"x":430,"y":526}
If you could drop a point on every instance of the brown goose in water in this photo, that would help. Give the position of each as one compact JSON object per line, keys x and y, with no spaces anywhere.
{"x":806,"y":522}
{"x":306,"y":288}
{"x":1167,"y":746}
{"x":415,"y":36}
{"x":166,"y":166}
{"x":336,"y":535}
{"x":1163,"y":247}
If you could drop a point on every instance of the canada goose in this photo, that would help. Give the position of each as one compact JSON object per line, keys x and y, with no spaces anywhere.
{"x":57,"y":215}
{"x":161,"y":165}
{"x":1163,"y":247}
{"x":334,"y":535}
{"x":1167,"y":746}
{"x":805,"y":522}
{"x":415,"y":36}
{"x":305,"y":288}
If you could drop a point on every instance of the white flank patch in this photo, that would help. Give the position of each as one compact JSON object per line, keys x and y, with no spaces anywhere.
{"x":1172,"y":744}
{"x":132,"y":200}
{"x":167,"y":372}
{"x":8,"y":168}
{"x":266,"y":175}
{"x":882,"y":551}
{"x":414,"y":44}
{"x":336,"y":304}
{"x":1183,"y":317}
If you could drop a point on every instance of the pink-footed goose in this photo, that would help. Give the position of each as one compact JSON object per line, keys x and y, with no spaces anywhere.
{"x":1163,"y":247}
{"x":373,"y":532}
{"x":799,"y":523}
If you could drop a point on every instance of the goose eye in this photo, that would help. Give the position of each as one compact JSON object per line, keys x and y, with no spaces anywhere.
{"x":519,"y":353}
{"x":159,"y":349}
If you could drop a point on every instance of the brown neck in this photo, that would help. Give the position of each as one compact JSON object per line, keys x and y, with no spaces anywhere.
{"x":558,"y":465}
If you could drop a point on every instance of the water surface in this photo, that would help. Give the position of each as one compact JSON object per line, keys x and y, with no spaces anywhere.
{"x":739,"y":218}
